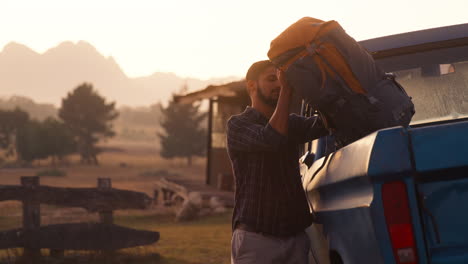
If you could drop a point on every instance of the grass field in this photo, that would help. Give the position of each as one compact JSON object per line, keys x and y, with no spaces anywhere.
{"x":203,"y":241}
{"x":131,"y":167}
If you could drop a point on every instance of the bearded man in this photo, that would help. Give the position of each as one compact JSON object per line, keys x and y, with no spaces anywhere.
{"x":271,"y":210}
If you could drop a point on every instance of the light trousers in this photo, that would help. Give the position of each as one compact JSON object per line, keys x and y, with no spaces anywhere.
{"x":253,"y":248}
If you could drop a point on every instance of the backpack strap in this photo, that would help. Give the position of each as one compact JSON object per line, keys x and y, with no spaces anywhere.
{"x":291,"y":60}
{"x":333,"y":59}
{"x":324,"y":69}
{"x":321,"y":29}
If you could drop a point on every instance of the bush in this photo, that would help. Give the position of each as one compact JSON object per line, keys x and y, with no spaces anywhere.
{"x":51,"y":172}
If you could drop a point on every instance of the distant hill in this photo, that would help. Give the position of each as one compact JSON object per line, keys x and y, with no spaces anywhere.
{"x":35,"y":110}
{"x":48,"y":77}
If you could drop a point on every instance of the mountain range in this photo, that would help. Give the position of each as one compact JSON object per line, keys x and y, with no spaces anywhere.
{"x":48,"y":77}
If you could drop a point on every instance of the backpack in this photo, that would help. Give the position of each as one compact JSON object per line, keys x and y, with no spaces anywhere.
{"x":340,"y":80}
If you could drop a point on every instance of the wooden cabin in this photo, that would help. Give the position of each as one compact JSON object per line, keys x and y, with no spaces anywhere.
{"x":224,"y":101}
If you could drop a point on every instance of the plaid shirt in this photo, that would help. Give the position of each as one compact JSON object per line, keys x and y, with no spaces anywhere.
{"x":269,"y":195}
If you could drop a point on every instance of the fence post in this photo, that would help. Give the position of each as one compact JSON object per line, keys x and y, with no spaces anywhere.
{"x":167,"y":196}
{"x":105,"y":217}
{"x":155,"y":196}
{"x":31,"y":215}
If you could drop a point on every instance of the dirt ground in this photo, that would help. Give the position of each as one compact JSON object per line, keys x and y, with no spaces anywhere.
{"x":132,"y":166}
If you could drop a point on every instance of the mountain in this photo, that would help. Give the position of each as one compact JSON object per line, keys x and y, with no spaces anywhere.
{"x":49,"y":76}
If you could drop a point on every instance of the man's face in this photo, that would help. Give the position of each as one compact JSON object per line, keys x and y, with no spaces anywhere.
{"x":268,"y":87}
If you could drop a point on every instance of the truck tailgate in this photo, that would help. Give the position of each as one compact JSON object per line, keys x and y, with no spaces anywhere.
{"x":441,"y":162}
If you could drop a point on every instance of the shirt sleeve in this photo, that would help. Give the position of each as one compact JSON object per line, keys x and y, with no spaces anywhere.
{"x":245,"y":136}
{"x":305,"y":129}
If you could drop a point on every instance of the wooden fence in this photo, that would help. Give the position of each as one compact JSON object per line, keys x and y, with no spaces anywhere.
{"x":168,"y":193}
{"x":102,"y":236}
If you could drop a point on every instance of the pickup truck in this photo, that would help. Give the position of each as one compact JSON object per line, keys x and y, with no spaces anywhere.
{"x":400,"y":195}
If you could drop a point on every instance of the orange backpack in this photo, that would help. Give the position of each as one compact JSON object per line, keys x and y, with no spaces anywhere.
{"x":339,"y":79}
{"x":309,"y":31}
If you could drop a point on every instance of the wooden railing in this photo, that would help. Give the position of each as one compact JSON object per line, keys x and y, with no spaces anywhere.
{"x":168,"y":193}
{"x":102,"y":236}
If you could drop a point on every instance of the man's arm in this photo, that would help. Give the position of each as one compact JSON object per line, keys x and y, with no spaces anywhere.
{"x":280,"y":118}
{"x":301,"y":129}
{"x":245,"y":136}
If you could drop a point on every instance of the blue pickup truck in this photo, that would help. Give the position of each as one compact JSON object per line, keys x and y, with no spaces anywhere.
{"x":400,"y":195}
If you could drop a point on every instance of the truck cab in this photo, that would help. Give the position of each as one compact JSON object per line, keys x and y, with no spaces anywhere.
{"x":400,"y":195}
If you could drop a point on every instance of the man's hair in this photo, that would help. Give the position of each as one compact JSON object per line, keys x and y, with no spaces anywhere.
{"x":258,"y":68}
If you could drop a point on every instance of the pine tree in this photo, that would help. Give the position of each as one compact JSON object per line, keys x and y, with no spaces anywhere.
{"x":183,"y":134}
{"x":88,"y":116}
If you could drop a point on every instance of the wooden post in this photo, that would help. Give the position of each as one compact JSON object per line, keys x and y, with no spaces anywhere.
{"x":164,"y":196}
{"x":31,"y":215}
{"x":209,"y":141}
{"x":155,"y":196}
{"x":105,"y":217}
{"x":167,"y":196}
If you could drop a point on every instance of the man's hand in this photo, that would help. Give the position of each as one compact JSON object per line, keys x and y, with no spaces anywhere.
{"x":283,"y":81}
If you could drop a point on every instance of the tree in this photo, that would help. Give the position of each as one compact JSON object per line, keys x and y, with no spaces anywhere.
{"x":31,"y":142}
{"x":40,"y":140}
{"x":183,"y":135}
{"x":31,"y":139}
{"x":10,"y":122}
{"x":58,"y":140}
{"x":88,"y":117}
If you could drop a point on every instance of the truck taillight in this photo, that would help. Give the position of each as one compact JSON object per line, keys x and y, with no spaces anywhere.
{"x":399,"y":224}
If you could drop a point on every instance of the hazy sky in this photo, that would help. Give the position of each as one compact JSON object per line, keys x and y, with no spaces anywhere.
{"x":204,"y":38}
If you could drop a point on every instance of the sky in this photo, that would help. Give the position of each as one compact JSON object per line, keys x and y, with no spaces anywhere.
{"x":204,"y":38}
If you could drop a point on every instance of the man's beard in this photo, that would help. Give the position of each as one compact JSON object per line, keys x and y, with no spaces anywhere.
{"x":267,"y":100}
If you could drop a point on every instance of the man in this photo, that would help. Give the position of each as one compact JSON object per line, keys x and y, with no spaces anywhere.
{"x":271,"y":210}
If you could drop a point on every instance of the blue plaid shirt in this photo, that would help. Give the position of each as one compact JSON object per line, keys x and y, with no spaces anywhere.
{"x":269,"y":195}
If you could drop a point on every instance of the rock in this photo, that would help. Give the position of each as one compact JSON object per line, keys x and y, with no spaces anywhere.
{"x":196,"y":199}
{"x":215,"y":202}
{"x":204,"y":212}
{"x":190,"y":207}
{"x":219,"y":210}
{"x":188,"y":212}
{"x":217,"y":205}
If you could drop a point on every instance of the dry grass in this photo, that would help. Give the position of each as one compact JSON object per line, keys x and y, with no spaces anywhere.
{"x":124,"y":164}
{"x":203,"y":241}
